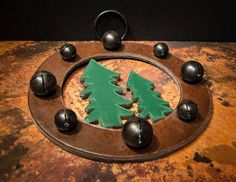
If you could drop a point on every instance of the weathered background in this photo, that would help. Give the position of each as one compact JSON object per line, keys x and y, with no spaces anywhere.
{"x":195,"y":20}
{"x":26,"y":155}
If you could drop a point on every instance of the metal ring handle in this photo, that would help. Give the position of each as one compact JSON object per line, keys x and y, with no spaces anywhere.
{"x":105,"y":13}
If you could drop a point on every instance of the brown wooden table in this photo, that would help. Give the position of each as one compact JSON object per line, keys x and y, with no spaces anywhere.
{"x":26,"y":155}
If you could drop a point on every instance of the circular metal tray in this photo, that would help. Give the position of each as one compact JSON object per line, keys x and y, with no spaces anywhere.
{"x":107,"y":145}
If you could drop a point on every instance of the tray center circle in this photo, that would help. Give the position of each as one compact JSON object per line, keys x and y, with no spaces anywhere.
{"x":162,"y":81}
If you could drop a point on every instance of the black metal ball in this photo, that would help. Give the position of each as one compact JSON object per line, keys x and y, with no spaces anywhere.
{"x":187,"y":110}
{"x":137,"y":133}
{"x":161,"y":50}
{"x":111,"y":40}
{"x":43,"y":83}
{"x":68,"y":52}
{"x":65,"y":120}
{"x":192,"y":72}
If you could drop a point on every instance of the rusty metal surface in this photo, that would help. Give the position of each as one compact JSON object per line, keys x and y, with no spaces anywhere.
{"x":107,"y":145}
{"x":26,"y":155}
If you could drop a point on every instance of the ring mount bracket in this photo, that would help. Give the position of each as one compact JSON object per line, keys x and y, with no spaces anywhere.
{"x":110,"y":20}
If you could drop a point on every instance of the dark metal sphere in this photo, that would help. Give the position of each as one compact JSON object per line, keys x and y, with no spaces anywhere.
{"x":65,"y":120}
{"x":43,"y":83}
{"x":187,"y":110}
{"x":192,"y":72}
{"x":161,"y":50}
{"x":111,"y":40}
{"x":137,"y":133}
{"x":68,"y":52}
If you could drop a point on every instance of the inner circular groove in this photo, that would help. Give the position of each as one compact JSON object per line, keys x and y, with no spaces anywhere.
{"x":162,"y":81}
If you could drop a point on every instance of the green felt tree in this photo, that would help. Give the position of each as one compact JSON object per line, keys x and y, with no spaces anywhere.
{"x":107,"y":105}
{"x":149,"y":102}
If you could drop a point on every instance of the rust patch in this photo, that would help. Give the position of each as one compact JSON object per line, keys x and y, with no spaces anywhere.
{"x":227,"y":50}
{"x":211,"y":57}
{"x":11,"y":153}
{"x":220,"y":98}
{"x":30,"y":49}
{"x":223,"y":154}
{"x":18,"y":56}
{"x":199,"y":158}
{"x":200,"y":178}
{"x":155,"y":169}
{"x":10,"y":161}
{"x":217,"y":175}
{"x":190,"y":171}
{"x":208,"y":82}
{"x":13,"y":116}
{"x":229,"y":78}
{"x":7,"y":141}
{"x":226,"y":104}
{"x":207,"y":79}
{"x":231,"y":64}
{"x":169,"y":168}
{"x":92,"y":172}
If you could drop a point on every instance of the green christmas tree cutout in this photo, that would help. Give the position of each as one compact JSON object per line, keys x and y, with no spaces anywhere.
{"x":149,"y":102}
{"x":107,"y":105}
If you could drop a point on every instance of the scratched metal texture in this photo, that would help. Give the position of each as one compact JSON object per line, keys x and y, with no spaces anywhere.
{"x":26,"y":155}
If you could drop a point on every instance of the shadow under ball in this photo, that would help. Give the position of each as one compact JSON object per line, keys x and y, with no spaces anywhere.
{"x":161,"y":50}
{"x":192,"y":72}
{"x":68,"y":52}
{"x":65,"y":120}
{"x":137,"y":133}
{"x":43,"y":83}
{"x":187,"y":110}
{"x":111,"y":40}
